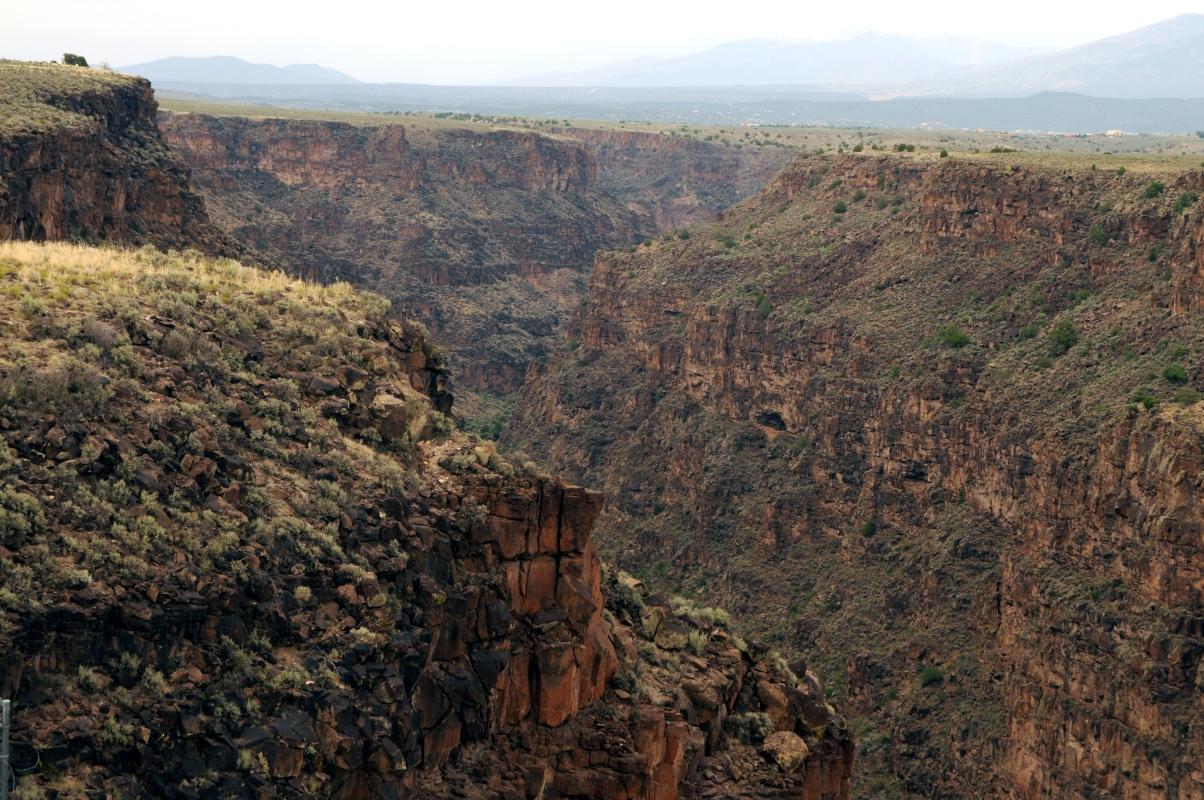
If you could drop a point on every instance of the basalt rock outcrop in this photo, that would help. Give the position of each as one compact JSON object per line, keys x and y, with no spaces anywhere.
{"x":81,"y":159}
{"x":941,"y":417}
{"x":243,"y":555}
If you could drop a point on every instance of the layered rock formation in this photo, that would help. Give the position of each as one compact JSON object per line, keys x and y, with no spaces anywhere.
{"x":674,"y":182}
{"x":942,"y":418}
{"x":482,"y":236}
{"x":485,"y":237}
{"x":243,"y":556}
{"x":81,"y":159}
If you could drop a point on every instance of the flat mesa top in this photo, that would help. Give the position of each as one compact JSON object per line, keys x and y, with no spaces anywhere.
{"x":1143,"y":152}
{"x":39,"y":96}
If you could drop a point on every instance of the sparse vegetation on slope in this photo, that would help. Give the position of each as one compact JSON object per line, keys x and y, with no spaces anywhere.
{"x":962,"y":364}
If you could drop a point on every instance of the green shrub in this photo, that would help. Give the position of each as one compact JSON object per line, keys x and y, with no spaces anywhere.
{"x":1097,"y":235}
{"x":1183,"y":201}
{"x":944,"y":153}
{"x":751,"y":727}
{"x":764,"y":308}
{"x":931,"y":676}
{"x":1154,"y":189}
{"x":1145,"y":399}
{"x":1186,"y":396}
{"x":684,"y":233}
{"x":952,"y":336}
{"x":858,"y":196}
{"x":840,"y":207}
{"x":20,"y":515}
{"x":1028,"y":331}
{"x":726,"y":239}
{"x":73,"y":60}
{"x":1175,"y":373}
{"x":1062,"y":337}
{"x":869,"y":528}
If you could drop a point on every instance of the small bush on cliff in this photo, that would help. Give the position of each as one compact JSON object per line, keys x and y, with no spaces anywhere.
{"x":1144,"y":399}
{"x":1175,"y":373}
{"x":1184,"y":201}
{"x":1062,"y":337}
{"x":931,"y":676}
{"x":840,"y":207}
{"x":1186,"y":396}
{"x":1097,"y":235}
{"x":1154,"y":189}
{"x":751,"y":727}
{"x":952,"y":336}
{"x":73,"y":60}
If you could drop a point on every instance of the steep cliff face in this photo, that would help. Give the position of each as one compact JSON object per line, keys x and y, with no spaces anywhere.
{"x":942,"y":418}
{"x":243,"y":556}
{"x":483,"y":236}
{"x":674,"y":182}
{"x":82,"y":159}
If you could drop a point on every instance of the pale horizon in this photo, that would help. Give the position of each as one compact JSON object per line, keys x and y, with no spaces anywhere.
{"x":477,"y":42}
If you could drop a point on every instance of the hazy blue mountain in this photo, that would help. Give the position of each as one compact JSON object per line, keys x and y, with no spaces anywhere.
{"x":227,"y":69}
{"x":875,"y":59}
{"x":1162,"y":60}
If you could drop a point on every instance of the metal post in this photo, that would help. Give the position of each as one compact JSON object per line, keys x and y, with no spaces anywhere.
{"x":6,"y":773}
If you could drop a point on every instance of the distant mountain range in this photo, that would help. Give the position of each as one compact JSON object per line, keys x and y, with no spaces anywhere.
{"x":230,"y":70}
{"x":868,"y":59}
{"x":1162,"y":60}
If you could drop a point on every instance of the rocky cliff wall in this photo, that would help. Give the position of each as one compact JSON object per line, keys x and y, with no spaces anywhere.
{"x":81,"y":159}
{"x":482,"y":236}
{"x":998,"y":523}
{"x":673,"y":181}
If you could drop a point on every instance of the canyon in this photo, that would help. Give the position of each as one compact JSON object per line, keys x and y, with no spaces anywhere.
{"x":935,"y":424}
{"x":930,"y":427}
{"x":246,"y":553}
{"x":485,"y":236}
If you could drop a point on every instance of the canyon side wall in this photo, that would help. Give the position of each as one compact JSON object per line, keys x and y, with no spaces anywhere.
{"x":673,"y":182}
{"x":942,"y":418}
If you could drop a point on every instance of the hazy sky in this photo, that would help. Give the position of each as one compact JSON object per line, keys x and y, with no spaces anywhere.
{"x":449,"y":41}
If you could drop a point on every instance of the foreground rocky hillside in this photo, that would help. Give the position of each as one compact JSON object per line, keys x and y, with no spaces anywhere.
{"x":244,"y":554}
{"x":81,"y":159}
{"x":936,"y":425}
